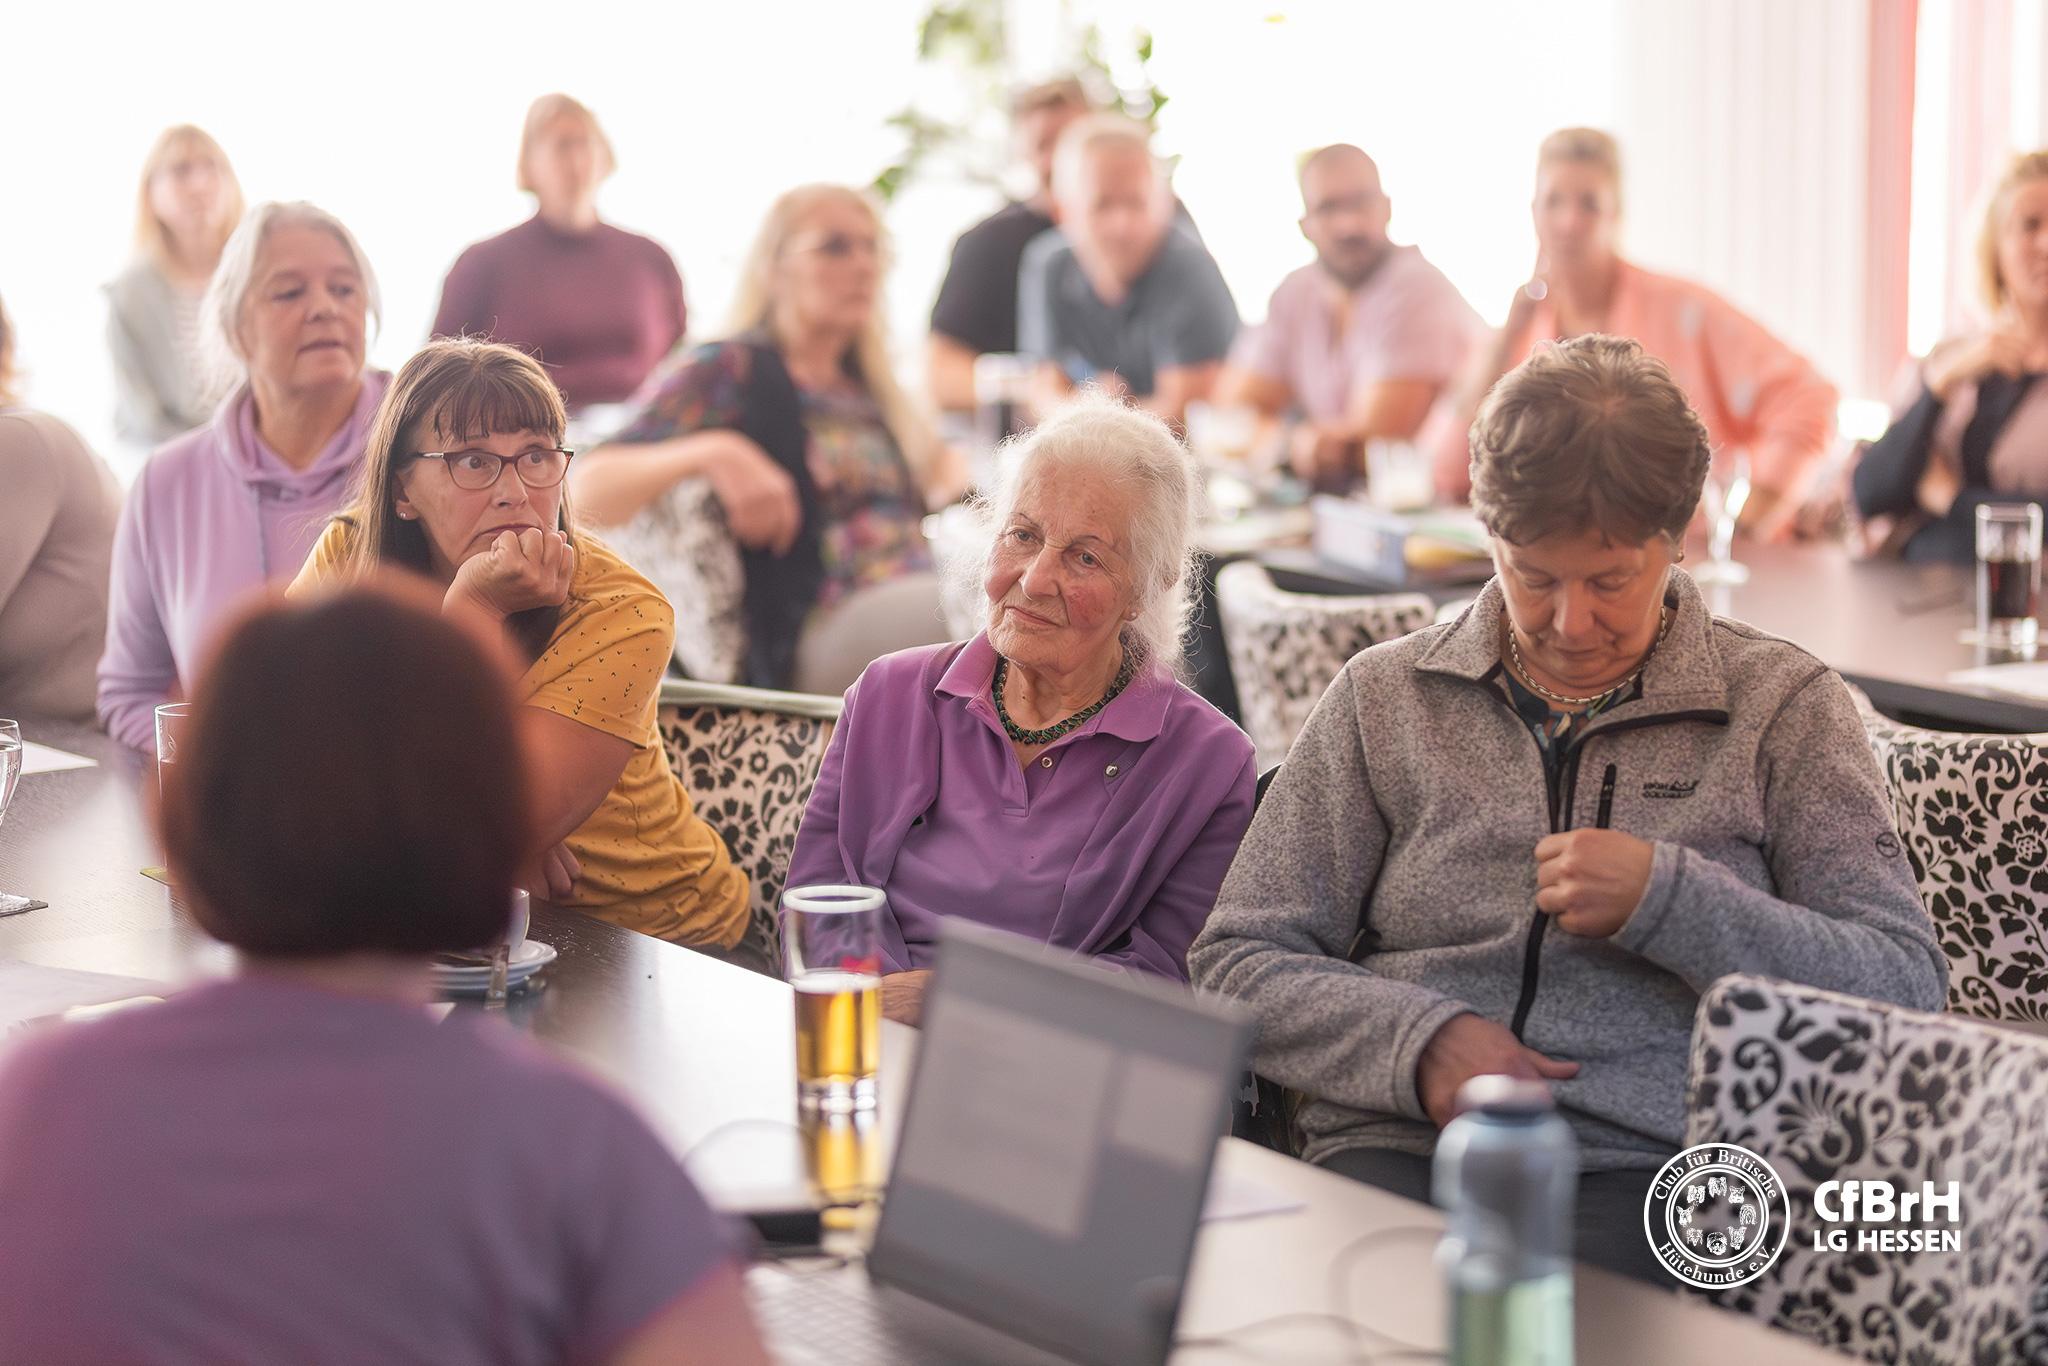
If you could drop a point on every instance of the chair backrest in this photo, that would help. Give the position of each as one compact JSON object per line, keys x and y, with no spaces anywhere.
{"x":1828,"y":1087}
{"x":1972,"y":811}
{"x":680,"y":541}
{"x":748,"y":758}
{"x":1286,"y":648}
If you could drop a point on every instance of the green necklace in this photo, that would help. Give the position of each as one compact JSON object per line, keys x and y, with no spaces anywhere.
{"x":1057,"y":728}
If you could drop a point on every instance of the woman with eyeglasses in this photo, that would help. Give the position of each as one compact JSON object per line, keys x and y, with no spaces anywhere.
{"x":822,"y":466}
{"x":463,"y":483}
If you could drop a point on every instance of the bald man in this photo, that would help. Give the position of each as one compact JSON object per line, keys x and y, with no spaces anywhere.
{"x":1358,"y":345}
{"x":1119,"y":294}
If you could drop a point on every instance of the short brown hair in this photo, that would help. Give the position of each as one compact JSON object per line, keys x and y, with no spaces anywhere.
{"x":2023,"y":169}
{"x":350,"y":781}
{"x":1064,"y":92}
{"x":1589,"y":434}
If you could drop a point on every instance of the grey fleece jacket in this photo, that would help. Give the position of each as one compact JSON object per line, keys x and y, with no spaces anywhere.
{"x":1417,"y":793}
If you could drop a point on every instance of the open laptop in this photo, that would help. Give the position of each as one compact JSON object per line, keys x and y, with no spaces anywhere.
{"x":1048,"y":1177}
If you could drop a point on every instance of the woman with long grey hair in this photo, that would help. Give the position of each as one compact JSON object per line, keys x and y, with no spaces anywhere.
{"x":1091,"y":800}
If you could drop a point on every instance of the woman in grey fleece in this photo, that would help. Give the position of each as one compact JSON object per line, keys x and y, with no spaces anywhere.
{"x":1525,"y":842}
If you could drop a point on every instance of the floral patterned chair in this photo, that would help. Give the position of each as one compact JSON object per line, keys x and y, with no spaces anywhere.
{"x":1286,"y":648}
{"x":1825,"y":1087}
{"x":1973,"y":813}
{"x":748,"y":758}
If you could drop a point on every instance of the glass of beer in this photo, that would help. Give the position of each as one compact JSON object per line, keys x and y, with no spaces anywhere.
{"x":2008,"y":574}
{"x":831,"y":944}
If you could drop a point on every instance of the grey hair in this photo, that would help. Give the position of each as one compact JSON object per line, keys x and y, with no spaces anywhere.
{"x":220,"y":312}
{"x":1132,"y":449}
{"x":1092,"y":133}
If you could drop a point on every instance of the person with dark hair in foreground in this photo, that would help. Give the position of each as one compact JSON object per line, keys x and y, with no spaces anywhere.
{"x":299,"y":1163}
{"x":1526,"y":841}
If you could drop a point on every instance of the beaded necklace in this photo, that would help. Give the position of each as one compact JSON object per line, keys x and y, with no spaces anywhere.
{"x":1057,"y":728}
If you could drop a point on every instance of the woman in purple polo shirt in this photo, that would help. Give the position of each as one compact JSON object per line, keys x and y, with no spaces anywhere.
{"x":1051,"y":776}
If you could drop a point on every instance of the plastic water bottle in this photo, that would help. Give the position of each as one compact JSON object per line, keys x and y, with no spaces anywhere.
{"x":1507,"y":1170}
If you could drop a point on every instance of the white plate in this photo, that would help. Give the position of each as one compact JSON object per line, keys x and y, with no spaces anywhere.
{"x":528,"y":959}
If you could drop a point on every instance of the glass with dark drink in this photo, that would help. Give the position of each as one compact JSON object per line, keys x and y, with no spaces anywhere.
{"x":2008,"y":574}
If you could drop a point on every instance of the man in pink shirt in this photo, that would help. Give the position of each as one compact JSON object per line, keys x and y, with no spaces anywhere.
{"x":1360,"y":343}
{"x":1754,"y":392}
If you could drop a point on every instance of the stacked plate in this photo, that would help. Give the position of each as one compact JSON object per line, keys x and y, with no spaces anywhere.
{"x":472,"y":976}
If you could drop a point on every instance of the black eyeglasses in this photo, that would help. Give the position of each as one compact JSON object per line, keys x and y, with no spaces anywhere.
{"x":539,"y":467}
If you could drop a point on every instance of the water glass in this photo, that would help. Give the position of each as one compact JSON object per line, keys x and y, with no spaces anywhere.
{"x":2008,"y":574}
{"x":1398,"y":477}
{"x":10,"y":763}
{"x":831,"y":944}
{"x":171,"y":720}
{"x":1723,"y":497}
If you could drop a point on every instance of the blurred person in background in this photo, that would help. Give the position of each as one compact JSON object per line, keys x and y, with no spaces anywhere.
{"x":300,"y":1162}
{"x":1359,"y":344}
{"x":1754,"y":392}
{"x":824,"y":467}
{"x":57,"y":518}
{"x":1120,"y":294}
{"x":599,"y":306}
{"x":1051,"y":776}
{"x":976,"y":310}
{"x":241,"y":500}
{"x":188,"y":205}
{"x":463,"y":482}
{"x":1974,"y":425}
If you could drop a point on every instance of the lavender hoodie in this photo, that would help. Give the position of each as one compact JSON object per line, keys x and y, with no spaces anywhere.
{"x":213,"y":514}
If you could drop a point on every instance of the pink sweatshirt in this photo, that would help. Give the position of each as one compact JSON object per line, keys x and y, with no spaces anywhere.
{"x":212,"y":515}
{"x":1749,"y":388}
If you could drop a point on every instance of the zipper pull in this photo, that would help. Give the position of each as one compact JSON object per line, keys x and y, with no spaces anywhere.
{"x":1606,"y":799}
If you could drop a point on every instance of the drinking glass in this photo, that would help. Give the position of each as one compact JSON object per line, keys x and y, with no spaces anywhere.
{"x":1222,"y":437}
{"x":1723,"y":497}
{"x":10,"y":763}
{"x":2008,"y":574}
{"x":171,"y":719}
{"x":1398,"y":477}
{"x":831,"y":939}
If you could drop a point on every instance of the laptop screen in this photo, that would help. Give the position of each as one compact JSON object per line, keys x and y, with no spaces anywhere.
{"x":1055,"y":1147}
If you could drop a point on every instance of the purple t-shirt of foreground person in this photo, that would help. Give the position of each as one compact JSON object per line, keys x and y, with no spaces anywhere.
{"x":263,"y":1171}
{"x":1112,"y":843}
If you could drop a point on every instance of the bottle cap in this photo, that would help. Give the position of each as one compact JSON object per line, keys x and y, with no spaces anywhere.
{"x":1505,"y":1096}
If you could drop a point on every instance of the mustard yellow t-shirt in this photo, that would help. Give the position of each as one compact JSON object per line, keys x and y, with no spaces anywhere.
{"x":649,"y":862}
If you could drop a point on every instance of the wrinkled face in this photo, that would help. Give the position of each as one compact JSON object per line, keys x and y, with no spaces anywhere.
{"x":1344,"y":213}
{"x":1116,"y":210}
{"x":831,"y":267}
{"x":1583,"y":609}
{"x":2023,"y":246}
{"x":1577,"y":212}
{"x":189,"y":195}
{"x":566,"y":163}
{"x":462,"y":522}
{"x":303,"y":321}
{"x":1061,"y":583}
{"x":1038,"y":133}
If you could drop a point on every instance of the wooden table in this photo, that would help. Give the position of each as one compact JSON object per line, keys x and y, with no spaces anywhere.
{"x":1893,"y":629}
{"x":707,"y":1051}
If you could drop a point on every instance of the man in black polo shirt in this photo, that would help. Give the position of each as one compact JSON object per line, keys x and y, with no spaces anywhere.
{"x":977,"y":305}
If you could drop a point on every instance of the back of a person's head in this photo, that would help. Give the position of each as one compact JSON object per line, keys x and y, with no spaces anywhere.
{"x":350,"y":780}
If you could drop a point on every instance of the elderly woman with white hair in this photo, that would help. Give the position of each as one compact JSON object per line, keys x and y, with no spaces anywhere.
{"x":1051,"y":776}
{"x":240,"y":501}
